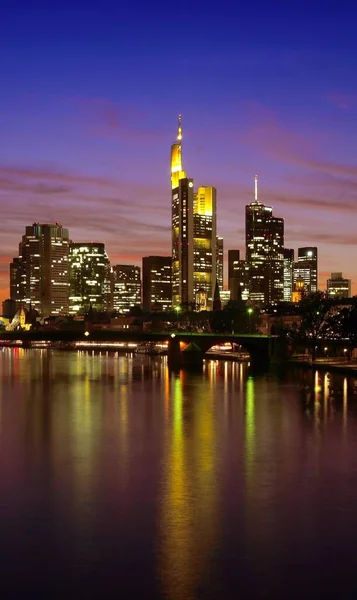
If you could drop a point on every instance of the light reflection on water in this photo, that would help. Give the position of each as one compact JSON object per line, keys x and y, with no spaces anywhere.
{"x":124,"y":478}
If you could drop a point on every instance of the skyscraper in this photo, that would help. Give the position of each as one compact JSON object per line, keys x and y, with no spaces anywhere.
{"x":220,"y":263}
{"x":233,"y":257}
{"x":306,"y":268}
{"x":126,"y":287}
{"x":241,"y":280}
{"x":288,"y":273}
{"x":181,"y":227}
{"x":264,"y":252}
{"x":338,"y":287}
{"x":40,"y":275}
{"x":89,"y":277}
{"x":17,"y":281}
{"x":157,"y":287}
{"x":204,"y":245}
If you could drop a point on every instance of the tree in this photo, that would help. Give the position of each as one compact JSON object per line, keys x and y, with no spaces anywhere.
{"x":135,"y":311}
{"x":315,"y":312}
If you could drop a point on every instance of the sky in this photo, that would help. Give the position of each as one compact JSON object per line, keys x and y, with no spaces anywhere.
{"x":89,"y":98}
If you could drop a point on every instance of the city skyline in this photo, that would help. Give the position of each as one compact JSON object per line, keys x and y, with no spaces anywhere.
{"x":92,"y":154}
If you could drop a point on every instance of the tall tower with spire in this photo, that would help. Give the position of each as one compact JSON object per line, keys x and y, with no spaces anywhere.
{"x":177,"y":172}
{"x":181,"y":226}
{"x":264,"y":239}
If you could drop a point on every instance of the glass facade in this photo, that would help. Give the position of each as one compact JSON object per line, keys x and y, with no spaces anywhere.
{"x":264,"y":253}
{"x":40,"y":275}
{"x":126,"y":288}
{"x":89,"y":278}
{"x":157,"y":287}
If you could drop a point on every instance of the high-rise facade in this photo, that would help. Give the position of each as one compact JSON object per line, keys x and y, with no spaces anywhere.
{"x":306,"y":268}
{"x":126,"y":287}
{"x":288,"y":273}
{"x":233,"y":258}
{"x":89,"y":277}
{"x":40,"y":275}
{"x":157,"y":286}
{"x":181,"y":227}
{"x":264,"y":252}
{"x":204,"y":245}
{"x":220,"y":263}
{"x":240,"y":282}
{"x":17,"y":281}
{"x":338,"y":286}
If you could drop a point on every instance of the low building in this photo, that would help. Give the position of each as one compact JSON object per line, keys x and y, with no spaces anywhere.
{"x":338,"y":286}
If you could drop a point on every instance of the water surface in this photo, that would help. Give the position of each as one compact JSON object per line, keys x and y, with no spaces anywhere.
{"x":120,"y":479}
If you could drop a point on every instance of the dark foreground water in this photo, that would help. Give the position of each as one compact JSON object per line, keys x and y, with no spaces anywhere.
{"x":121,"y":480}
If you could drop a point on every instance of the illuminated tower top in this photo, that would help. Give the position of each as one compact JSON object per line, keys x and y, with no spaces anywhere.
{"x":176,"y":157}
{"x":256,"y":188}
{"x":179,"y":129}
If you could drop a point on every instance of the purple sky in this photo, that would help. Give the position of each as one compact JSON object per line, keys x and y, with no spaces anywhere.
{"x":88,"y":110}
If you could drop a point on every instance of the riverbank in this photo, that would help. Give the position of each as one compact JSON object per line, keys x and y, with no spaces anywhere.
{"x":323,"y":364}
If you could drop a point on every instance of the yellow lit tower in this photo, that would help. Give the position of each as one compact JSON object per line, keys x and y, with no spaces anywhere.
{"x":204,"y":246}
{"x":182,"y":227}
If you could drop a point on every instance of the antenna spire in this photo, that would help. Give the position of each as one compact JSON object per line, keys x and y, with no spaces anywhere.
{"x":256,"y":188}
{"x":179,"y":129}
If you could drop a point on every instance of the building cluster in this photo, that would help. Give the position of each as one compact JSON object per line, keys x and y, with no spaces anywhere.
{"x":56,"y":276}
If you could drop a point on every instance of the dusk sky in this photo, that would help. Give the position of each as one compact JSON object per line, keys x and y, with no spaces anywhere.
{"x":88,"y":111}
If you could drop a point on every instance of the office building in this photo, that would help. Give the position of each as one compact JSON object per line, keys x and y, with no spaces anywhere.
{"x":89,"y":278}
{"x":220,"y":263}
{"x":157,"y":287}
{"x":306,"y":268}
{"x":264,"y":252}
{"x":126,"y":287}
{"x":204,"y":246}
{"x":39,"y":276}
{"x":181,"y":227}
{"x":288,"y":273}
{"x":225,"y":296}
{"x":241,"y":280}
{"x":338,"y":286}
{"x":233,"y":258}
{"x":17,"y":281}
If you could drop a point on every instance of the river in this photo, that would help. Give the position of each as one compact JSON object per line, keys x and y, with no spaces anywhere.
{"x":119,"y":479}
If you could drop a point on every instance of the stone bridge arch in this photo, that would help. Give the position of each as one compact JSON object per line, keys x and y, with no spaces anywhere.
{"x":187,"y":348}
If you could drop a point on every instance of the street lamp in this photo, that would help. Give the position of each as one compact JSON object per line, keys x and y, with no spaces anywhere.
{"x":325,"y":350}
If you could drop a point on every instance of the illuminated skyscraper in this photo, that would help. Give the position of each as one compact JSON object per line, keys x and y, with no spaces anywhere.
{"x":220,"y":262}
{"x":264,"y":252}
{"x":89,"y":278}
{"x":40,"y":276}
{"x":182,"y":227}
{"x":338,"y":287}
{"x":204,"y":245}
{"x":241,"y":280}
{"x":306,"y":268}
{"x":288,"y":273}
{"x":157,"y":288}
{"x":127,"y":287}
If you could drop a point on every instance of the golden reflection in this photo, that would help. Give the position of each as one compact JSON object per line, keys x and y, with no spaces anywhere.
{"x":326,"y":395}
{"x":250,"y":433}
{"x":188,"y":519}
{"x":317,"y":401}
{"x":83,"y":435}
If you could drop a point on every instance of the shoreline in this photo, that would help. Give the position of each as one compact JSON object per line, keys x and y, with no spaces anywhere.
{"x":323,"y":365}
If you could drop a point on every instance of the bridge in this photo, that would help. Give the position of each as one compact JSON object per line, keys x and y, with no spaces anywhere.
{"x":183,"y":347}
